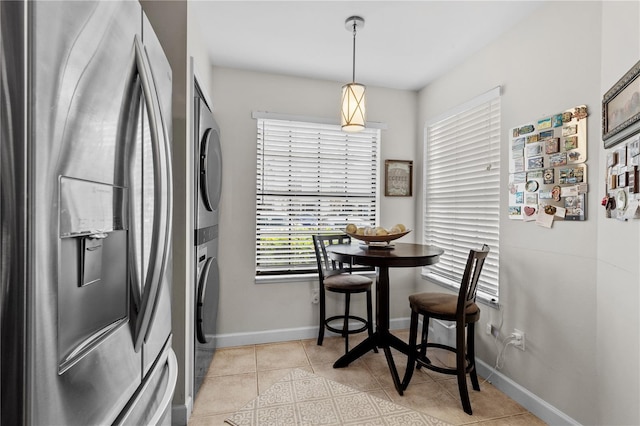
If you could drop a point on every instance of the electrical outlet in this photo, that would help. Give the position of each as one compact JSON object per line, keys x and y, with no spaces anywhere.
{"x":492,"y":330}
{"x":315,"y":297}
{"x":518,"y":340}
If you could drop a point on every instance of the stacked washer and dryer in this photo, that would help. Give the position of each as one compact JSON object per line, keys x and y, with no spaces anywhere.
{"x":207,"y":185}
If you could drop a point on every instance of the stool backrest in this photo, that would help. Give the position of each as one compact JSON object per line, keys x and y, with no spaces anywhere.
{"x":469,"y":284}
{"x":326,"y":265}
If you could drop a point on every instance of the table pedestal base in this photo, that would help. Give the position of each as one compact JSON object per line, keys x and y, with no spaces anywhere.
{"x":384,"y":341}
{"x":402,"y":255}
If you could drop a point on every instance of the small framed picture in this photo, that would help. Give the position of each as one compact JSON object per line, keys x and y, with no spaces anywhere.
{"x":398,"y":178}
{"x":571,"y":142}
{"x":519,"y":197}
{"x":515,"y":210}
{"x":622,"y":180}
{"x":551,"y":146}
{"x":576,"y":208}
{"x":536,"y":174}
{"x":518,"y":165}
{"x":573,"y":156}
{"x":547,"y":134}
{"x":535,"y":163}
{"x":519,"y":177}
{"x":545,"y":123}
{"x":571,"y":175}
{"x":518,"y":143}
{"x":534,"y":150}
{"x":558,"y":159}
{"x":634,"y":147}
{"x":622,"y":156}
{"x":531,"y":199}
{"x":632,"y":180}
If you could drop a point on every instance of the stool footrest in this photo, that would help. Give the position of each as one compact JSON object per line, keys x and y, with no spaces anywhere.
{"x":341,"y":318}
{"x":444,"y":370}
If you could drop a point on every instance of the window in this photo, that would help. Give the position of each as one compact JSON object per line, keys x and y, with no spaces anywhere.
{"x":311,"y":178}
{"x":462,"y":190}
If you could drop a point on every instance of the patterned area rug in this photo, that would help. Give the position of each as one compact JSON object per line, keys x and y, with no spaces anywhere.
{"x":303,"y":398}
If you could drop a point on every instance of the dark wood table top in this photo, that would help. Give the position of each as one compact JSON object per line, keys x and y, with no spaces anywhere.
{"x":400,"y":255}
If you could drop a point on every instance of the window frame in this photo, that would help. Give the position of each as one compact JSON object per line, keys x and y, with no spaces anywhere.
{"x":308,"y":272}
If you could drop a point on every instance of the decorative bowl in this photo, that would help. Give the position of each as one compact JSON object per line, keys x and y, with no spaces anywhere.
{"x":379,"y":238}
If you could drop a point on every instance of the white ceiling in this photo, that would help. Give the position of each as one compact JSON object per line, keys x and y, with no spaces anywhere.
{"x":403,"y":45}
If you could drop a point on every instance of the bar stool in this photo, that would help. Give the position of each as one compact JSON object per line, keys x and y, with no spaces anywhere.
{"x":461,"y":309}
{"x":337,"y":277}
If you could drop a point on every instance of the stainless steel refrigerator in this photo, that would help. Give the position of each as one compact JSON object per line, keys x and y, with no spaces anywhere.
{"x":86,"y":205}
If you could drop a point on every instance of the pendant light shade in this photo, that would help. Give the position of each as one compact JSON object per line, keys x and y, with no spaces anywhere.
{"x":353,"y":107}
{"x":352,"y":115}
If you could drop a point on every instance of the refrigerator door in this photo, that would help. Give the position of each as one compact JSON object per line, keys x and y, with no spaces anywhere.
{"x":80,"y":369}
{"x":90,"y":172}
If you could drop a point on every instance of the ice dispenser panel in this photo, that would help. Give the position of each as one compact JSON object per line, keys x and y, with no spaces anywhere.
{"x":88,"y":208}
{"x":93,"y":285}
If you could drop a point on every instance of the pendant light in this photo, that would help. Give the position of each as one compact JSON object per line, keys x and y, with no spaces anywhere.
{"x":353,"y":102}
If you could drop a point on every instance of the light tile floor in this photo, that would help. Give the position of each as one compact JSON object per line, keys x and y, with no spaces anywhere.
{"x":239,"y":374}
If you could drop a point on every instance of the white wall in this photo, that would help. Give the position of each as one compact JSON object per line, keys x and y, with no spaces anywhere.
{"x":572,"y":288}
{"x":618,"y":249}
{"x":245,"y":306}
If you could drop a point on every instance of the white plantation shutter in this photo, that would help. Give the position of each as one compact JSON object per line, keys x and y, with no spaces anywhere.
{"x":462,"y":190}
{"x":311,"y":178}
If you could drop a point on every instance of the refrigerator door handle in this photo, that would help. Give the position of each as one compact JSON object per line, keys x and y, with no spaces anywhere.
{"x":162,"y":198}
{"x":153,"y":409}
{"x":165,"y":402}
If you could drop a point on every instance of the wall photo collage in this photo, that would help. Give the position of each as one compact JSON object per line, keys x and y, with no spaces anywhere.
{"x":620,"y":134}
{"x":623,"y":196}
{"x":548,"y":170}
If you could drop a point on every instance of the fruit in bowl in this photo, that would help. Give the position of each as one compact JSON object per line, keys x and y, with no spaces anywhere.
{"x":397,"y":228}
{"x":351,"y":229}
{"x":377,"y":234}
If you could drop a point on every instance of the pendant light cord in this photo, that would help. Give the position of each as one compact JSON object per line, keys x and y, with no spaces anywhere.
{"x":353,"y":79}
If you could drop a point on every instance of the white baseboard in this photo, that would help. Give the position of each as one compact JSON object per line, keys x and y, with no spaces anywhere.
{"x":285,"y":335}
{"x":180,"y":413}
{"x":537,"y":406}
{"x":260,"y":337}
